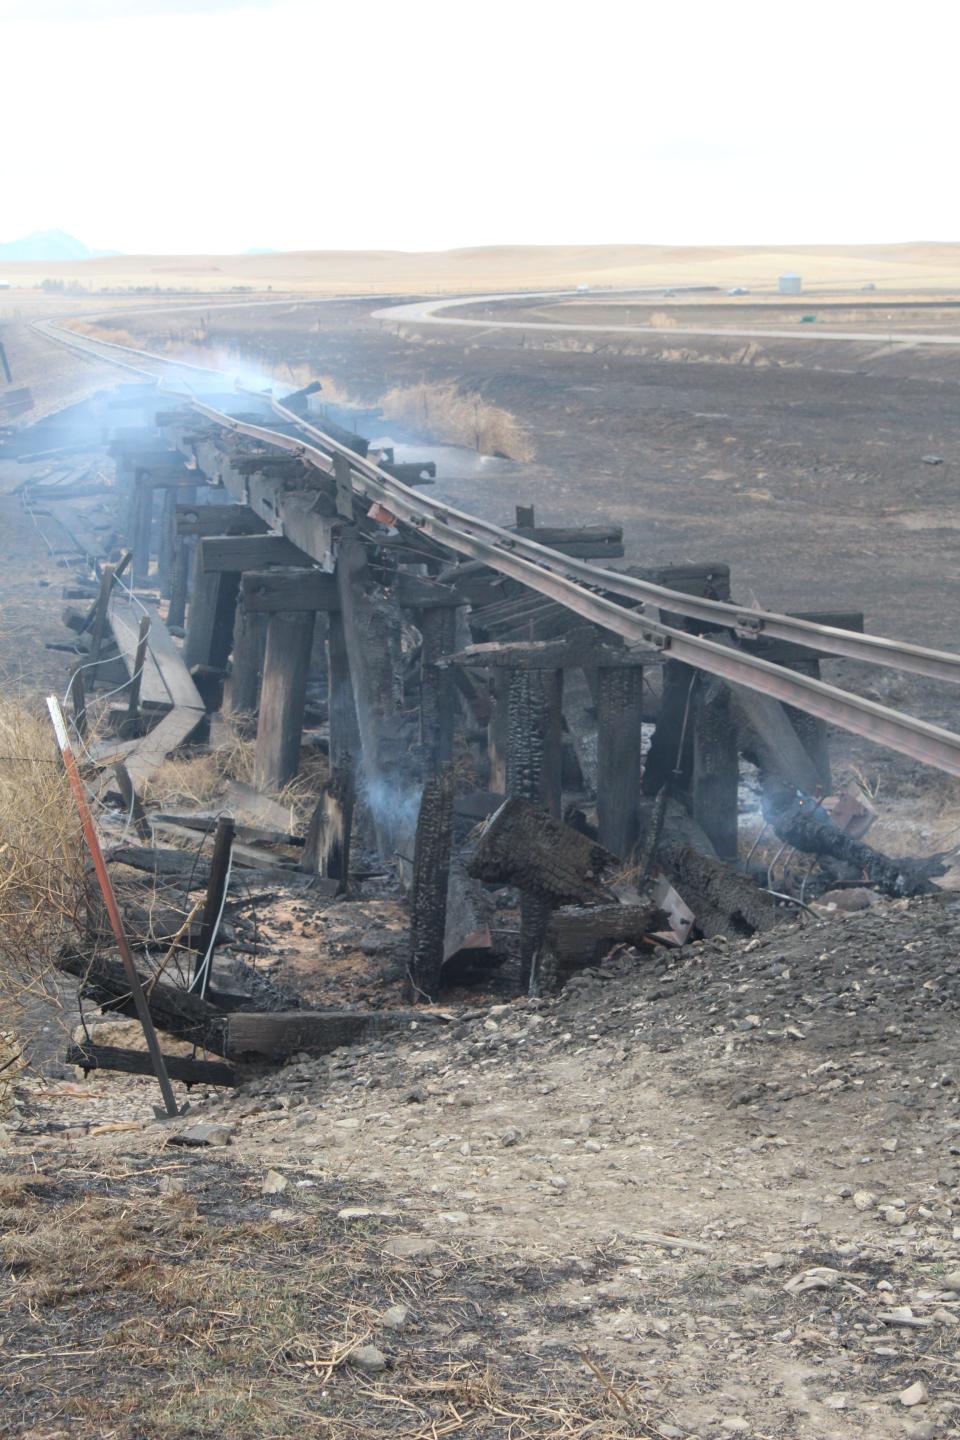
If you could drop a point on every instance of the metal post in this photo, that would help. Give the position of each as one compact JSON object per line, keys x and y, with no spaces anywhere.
{"x":113,"y":909}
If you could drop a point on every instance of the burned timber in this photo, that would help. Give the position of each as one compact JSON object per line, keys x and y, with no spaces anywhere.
{"x":487,"y":700}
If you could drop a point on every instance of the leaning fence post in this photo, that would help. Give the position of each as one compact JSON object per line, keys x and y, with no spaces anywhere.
{"x":136,"y":679}
{"x":113,"y":909}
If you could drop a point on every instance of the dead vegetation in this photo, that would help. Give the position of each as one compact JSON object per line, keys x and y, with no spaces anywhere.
{"x":41,"y":862}
{"x":458,"y":417}
{"x":138,"y":1308}
{"x":110,"y":334}
{"x":201,"y":779}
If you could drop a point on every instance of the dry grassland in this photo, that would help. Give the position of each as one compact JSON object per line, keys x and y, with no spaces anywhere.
{"x":139,"y":1310}
{"x":509,"y":267}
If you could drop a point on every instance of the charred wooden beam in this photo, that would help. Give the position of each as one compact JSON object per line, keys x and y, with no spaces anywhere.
{"x":534,"y":772}
{"x":535,"y":722}
{"x":139,"y":536}
{"x":437,"y":690}
{"x":326,"y":851}
{"x":210,"y":616}
{"x":180,"y":570}
{"x":249,"y":552}
{"x":246,"y":667}
{"x":132,"y":803}
{"x":803,"y":824}
{"x":344,"y":730}
{"x":167,"y":542}
{"x":584,"y":542}
{"x":192,"y":872}
{"x":584,"y":646}
{"x":715,"y":772}
{"x":524,"y":846}
{"x":416,"y":592}
{"x":306,"y":589}
{"x":709,"y":579}
{"x":467,"y":940}
{"x":371,"y":628}
{"x":498,"y":731}
{"x":90,"y":1056}
{"x":619,"y":765}
{"x":723,"y":901}
{"x":428,"y":894}
{"x":278,"y":1034}
{"x":578,"y":936}
{"x":554,"y":535}
{"x":78,"y":702}
{"x":136,"y":673}
{"x":201,"y":520}
{"x":271,"y":462}
{"x":282,"y":698}
{"x":768,"y":738}
{"x":344,"y":484}
{"x":175,"y":1011}
{"x":289,"y":590}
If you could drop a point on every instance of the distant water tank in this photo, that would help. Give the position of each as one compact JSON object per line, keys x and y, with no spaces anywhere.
{"x":790,"y":284}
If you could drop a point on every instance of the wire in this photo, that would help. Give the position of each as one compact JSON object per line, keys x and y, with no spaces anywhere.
{"x":202,"y":975}
{"x":790,"y":899}
{"x":663,"y":794}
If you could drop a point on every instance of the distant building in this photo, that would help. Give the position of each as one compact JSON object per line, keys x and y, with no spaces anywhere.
{"x":790,"y":284}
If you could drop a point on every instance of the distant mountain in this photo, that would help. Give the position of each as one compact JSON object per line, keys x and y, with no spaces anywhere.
{"x":49,"y":245}
{"x":261,"y":250}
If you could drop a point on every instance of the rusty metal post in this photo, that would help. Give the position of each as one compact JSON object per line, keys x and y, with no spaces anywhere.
{"x":113,"y":909}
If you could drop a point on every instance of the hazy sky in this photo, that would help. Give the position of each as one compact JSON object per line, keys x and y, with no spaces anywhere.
{"x":155,"y":125}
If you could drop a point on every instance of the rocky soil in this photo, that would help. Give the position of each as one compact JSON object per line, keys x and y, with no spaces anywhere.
{"x":722,"y":1184}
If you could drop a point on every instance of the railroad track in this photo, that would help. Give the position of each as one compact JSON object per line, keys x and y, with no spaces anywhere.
{"x":586,"y":589}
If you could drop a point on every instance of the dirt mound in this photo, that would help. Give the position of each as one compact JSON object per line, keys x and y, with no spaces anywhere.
{"x":839,"y":983}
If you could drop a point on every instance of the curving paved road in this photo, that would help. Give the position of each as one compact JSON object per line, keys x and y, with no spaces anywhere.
{"x":425,"y":312}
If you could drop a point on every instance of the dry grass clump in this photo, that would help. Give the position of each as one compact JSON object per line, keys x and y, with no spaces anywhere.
{"x":133,"y":1314}
{"x":112,"y":334}
{"x":460,"y":417}
{"x":201,"y":780}
{"x":41,"y":860}
{"x":194,"y":780}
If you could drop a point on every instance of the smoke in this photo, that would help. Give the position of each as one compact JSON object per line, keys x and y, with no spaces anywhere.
{"x":228,"y":368}
{"x":395,"y":806}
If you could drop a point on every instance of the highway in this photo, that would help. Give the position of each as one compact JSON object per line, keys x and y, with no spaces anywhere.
{"x":428,"y":312}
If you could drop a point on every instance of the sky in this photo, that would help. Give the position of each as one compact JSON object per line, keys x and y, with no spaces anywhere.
{"x":211,"y":126}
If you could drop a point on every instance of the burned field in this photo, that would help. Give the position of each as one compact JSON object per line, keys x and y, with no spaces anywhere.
{"x":535,"y":952}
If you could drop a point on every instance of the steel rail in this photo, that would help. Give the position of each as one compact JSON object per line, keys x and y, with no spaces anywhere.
{"x":922,"y":741}
{"x":930,"y":744}
{"x":80,"y":342}
{"x":748,"y":623}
